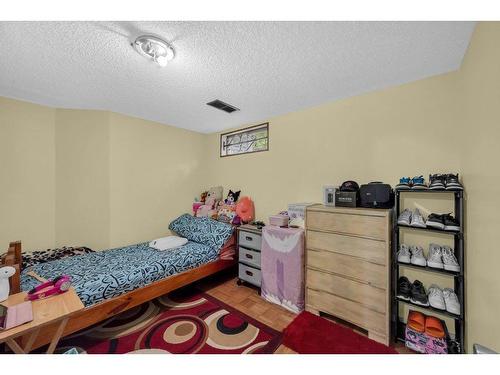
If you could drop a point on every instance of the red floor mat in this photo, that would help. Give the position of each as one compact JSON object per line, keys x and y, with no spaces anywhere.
{"x":311,"y":334}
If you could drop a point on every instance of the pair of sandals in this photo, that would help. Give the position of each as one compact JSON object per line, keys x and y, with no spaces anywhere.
{"x":431,"y":325}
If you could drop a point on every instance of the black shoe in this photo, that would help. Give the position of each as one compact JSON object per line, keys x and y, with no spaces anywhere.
{"x":450,"y":223}
{"x":437,"y":182}
{"x":453,"y":347}
{"x":404,"y":288}
{"x":418,"y":294}
{"x":452,"y":182}
{"x":435,"y":221}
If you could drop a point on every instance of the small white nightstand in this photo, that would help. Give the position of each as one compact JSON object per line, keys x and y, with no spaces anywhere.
{"x":249,"y":245}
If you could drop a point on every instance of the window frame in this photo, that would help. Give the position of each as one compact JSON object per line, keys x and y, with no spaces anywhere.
{"x":264,"y":125}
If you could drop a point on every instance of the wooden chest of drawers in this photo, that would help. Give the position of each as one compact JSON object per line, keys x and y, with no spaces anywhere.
{"x":348,"y":266}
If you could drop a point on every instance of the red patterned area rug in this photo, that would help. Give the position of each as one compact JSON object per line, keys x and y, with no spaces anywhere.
{"x":186,"y":321}
{"x":311,"y":334}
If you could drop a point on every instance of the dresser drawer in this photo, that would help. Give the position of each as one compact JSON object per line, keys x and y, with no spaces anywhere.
{"x":350,"y":311}
{"x":372,"y":250}
{"x":250,"y":240}
{"x":249,"y":257}
{"x":368,"y":296}
{"x":359,"y":225}
{"x":344,"y":265}
{"x":249,"y":274}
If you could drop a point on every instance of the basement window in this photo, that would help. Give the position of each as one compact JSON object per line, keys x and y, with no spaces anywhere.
{"x":245,"y":141}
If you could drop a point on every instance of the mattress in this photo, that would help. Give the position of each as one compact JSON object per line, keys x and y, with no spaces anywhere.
{"x":106,"y":274}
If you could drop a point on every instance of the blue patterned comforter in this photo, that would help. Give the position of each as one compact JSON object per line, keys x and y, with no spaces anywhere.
{"x":107,"y":274}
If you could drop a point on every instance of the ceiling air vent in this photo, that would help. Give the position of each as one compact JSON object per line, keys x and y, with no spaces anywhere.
{"x":222,"y":106}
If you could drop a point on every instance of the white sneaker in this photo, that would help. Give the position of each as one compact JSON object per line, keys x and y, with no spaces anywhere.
{"x":417,"y":256}
{"x":451,"y":301}
{"x":417,"y":220}
{"x":405,"y":217}
{"x":404,"y":254}
{"x":449,"y":260}
{"x":436,"y":297}
{"x":434,"y":258}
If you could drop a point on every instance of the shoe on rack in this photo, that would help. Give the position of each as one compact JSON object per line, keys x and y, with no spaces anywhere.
{"x":418,"y":183}
{"x":405,"y":217}
{"x":418,"y":294}
{"x":434,"y":327}
{"x":404,"y":254}
{"x":404,"y":288}
{"x":437,"y":182}
{"x":451,"y":301}
{"x":404,"y":184}
{"x":435,"y":221}
{"x":417,"y":219}
{"x":416,"y":320}
{"x":434,"y":258}
{"x":450,"y":262}
{"x":436,"y":297}
{"x":450,"y":223}
{"x":417,"y":256}
{"x":452,"y":182}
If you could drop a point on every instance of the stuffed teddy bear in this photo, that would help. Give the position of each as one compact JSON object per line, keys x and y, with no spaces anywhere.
{"x":215,"y":192}
{"x":209,"y":209}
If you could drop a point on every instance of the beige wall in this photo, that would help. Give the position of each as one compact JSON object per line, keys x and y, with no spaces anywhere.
{"x":480,"y":155}
{"x":404,"y":130}
{"x":82,"y":178}
{"x":92,"y":178}
{"x":155,"y":174}
{"x":27,"y":174}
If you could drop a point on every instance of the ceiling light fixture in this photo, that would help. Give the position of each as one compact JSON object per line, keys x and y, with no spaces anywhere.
{"x":154,"y":48}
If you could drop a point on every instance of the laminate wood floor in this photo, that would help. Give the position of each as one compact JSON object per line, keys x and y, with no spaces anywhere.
{"x":246,"y":299}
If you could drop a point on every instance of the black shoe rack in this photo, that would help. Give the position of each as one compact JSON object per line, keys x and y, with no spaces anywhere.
{"x":398,"y":327}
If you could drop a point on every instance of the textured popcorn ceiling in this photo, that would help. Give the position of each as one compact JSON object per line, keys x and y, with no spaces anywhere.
{"x":263,"y":68}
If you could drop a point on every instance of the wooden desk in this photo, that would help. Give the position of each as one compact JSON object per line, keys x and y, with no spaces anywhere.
{"x":45,"y":312}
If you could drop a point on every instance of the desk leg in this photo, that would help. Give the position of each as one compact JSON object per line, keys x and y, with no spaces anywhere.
{"x":31,"y":341}
{"x":15,"y":346}
{"x":57,"y":336}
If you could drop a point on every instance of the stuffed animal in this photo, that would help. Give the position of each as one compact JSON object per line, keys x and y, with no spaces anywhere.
{"x":212,"y":199}
{"x":203,"y":196}
{"x":5,"y":273}
{"x":215,"y":192}
{"x":208,"y":209}
{"x":232,"y":197}
{"x":245,"y":209}
{"x":226,"y":213}
{"x":199,"y":202}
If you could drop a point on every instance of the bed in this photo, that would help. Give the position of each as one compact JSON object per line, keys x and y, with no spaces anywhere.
{"x":111,"y":281}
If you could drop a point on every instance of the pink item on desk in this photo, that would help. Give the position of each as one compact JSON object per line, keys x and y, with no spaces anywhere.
{"x":17,"y":315}
{"x":282,"y":267}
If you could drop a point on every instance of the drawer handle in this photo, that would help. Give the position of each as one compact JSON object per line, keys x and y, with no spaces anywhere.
{"x":249,"y":256}
{"x":249,"y":273}
{"x":248,"y":238}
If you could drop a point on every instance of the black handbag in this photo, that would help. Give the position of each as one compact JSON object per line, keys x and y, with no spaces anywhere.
{"x":376,"y":195}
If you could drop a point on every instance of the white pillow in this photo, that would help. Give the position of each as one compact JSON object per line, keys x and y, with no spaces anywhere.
{"x":168,"y":243}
